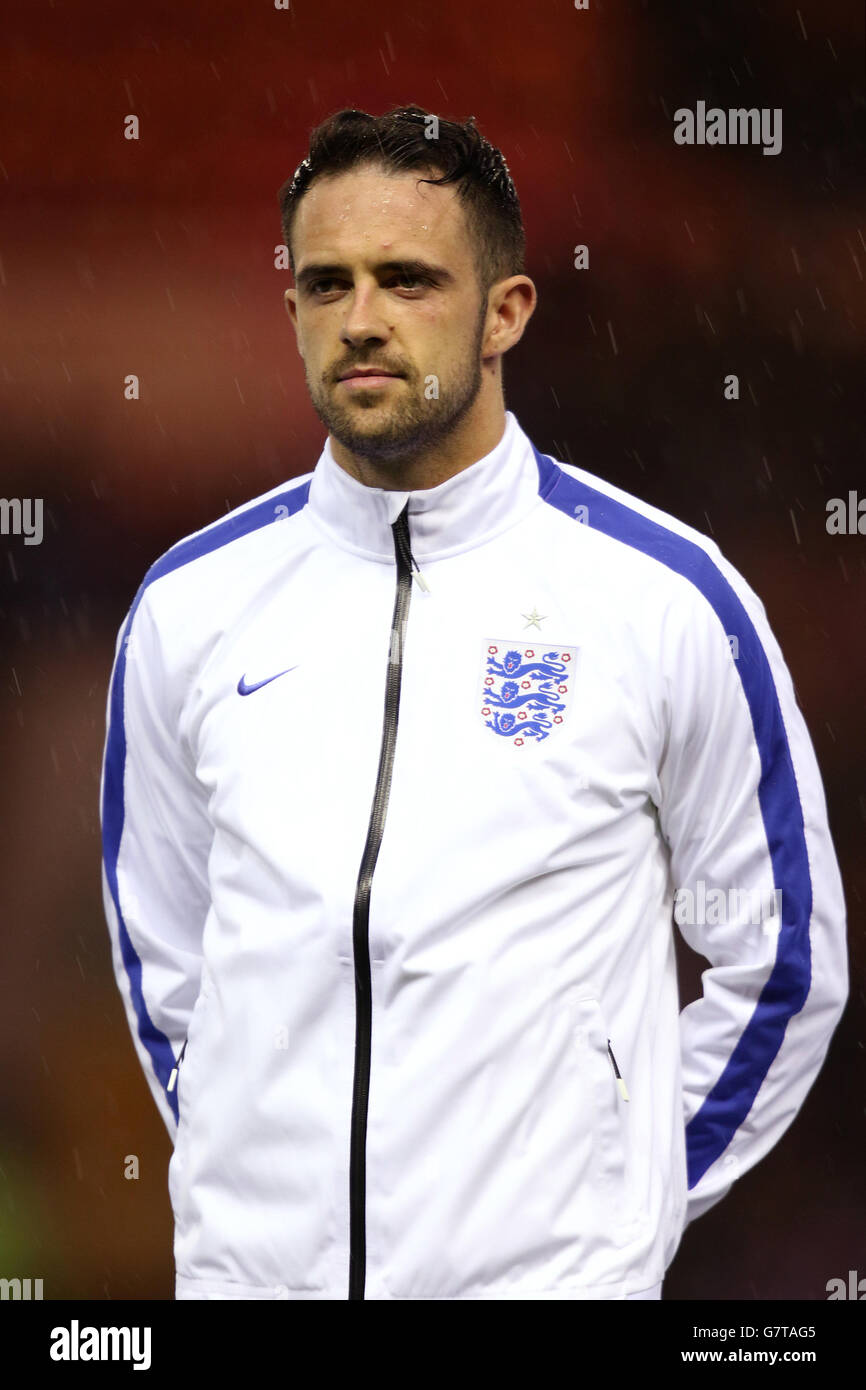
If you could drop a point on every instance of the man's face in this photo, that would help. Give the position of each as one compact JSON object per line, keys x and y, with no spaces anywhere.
{"x":385,"y":277}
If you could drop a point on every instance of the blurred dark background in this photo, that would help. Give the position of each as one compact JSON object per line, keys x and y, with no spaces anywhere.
{"x":155,"y":257}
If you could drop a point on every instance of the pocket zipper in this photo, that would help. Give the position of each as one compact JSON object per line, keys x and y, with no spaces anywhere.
{"x":619,"y":1081}
{"x":172,"y":1080}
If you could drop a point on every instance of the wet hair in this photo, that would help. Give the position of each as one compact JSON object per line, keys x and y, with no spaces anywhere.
{"x":403,"y":139}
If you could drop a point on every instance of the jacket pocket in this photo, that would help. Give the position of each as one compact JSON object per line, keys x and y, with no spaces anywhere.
{"x":607,"y":1089}
{"x":190,"y":1060}
{"x":182,"y":1078}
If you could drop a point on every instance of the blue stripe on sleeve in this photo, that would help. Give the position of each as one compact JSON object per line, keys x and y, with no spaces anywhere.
{"x":223,"y":533}
{"x":726,"y":1106}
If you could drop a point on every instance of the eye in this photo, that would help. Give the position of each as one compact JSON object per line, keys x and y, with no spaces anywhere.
{"x":409,"y":280}
{"x":404,"y":280}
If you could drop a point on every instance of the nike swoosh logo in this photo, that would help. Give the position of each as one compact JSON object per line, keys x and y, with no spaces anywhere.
{"x":244,"y":689}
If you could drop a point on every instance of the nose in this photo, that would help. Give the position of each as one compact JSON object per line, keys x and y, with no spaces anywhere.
{"x":365,"y":321}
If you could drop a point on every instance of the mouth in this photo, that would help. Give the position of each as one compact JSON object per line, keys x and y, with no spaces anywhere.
{"x":367,"y":377}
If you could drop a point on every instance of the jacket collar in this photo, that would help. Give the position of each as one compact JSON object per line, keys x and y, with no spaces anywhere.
{"x":467,"y":509}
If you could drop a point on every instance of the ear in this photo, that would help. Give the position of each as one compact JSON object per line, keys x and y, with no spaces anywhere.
{"x":513,"y":302}
{"x":290,"y":299}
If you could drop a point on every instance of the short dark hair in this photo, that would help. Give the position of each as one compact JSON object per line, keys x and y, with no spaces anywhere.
{"x":399,"y":141}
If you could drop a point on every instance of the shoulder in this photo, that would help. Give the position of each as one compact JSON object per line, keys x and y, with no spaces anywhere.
{"x":190,"y":588}
{"x":620,"y":515}
{"x":680,"y":557}
{"x":219,"y":537}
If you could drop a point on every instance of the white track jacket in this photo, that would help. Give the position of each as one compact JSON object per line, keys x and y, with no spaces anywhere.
{"x":403,"y":796}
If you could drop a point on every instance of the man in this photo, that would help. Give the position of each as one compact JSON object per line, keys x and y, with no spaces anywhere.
{"x":410,"y":763}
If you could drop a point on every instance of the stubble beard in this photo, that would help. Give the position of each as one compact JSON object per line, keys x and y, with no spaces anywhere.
{"x":411,"y":426}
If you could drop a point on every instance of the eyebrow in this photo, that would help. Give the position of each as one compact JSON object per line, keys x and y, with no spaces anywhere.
{"x":304,"y":278}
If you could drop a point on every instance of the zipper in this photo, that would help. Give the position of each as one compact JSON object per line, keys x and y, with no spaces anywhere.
{"x":361,"y":912}
{"x":172,"y":1080}
{"x":619,"y":1081}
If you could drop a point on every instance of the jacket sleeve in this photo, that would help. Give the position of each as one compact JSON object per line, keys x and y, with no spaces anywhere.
{"x":757,"y":889}
{"x":155,"y":843}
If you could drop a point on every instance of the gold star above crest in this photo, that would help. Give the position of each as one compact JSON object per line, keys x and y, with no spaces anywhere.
{"x":535,"y":619}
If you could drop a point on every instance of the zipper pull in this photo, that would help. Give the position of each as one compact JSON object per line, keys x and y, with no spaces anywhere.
{"x":172,"y":1080}
{"x":405,"y":544}
{"x":419,"y":578}
{"x":619,"y":1081}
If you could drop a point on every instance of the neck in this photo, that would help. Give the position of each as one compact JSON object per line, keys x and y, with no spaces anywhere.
{"x":474,"y":436}
{"x":463,"y":511}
